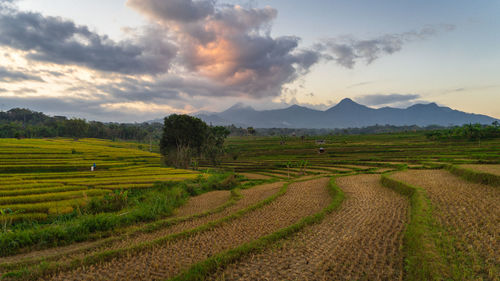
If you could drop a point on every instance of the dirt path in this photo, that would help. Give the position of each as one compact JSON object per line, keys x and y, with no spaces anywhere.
{"x":301,"y":199}
{"x":492,"y":169}
{"x":360,"y":241}
{"x":468,"y":210}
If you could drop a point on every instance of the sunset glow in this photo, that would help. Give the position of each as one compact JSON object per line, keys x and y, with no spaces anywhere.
{"x":137,"y":60}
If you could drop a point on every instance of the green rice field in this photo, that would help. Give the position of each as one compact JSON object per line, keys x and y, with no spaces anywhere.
{"x":40,"y":177}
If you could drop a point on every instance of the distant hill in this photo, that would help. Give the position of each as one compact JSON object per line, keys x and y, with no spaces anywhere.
{"x":346,"y":114}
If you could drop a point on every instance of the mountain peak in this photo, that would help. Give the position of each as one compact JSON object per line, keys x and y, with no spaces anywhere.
{"x":425,"y":105}
{"x":296,"y":106}
{"x":347,"y":103}
{"x":240,"y":106}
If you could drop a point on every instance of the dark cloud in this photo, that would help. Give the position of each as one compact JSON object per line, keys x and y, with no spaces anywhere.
{"x":73,"y":107}
{"x":230,"y":47}
{"x":25,"y":91}
{"x":60,"y":41}
{"x":347,"y":50}
{"x":386,"y":99}
{"x":176,"y":10}
{"x":7,"y":75}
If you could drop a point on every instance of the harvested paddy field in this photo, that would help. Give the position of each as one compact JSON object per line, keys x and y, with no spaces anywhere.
{"x":196,"y":205}
{"x":66,"y":254}
{"x":491,"y":169}
{"x":469,"y":212}
{"x":203,"y":203}
{"x":166,"y":260}
{"x":360,"y":241}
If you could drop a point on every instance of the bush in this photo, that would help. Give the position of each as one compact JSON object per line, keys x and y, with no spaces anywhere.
{"x":111,"y":202}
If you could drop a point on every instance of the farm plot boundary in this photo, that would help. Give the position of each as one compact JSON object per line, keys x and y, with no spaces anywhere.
{"x":45,"y":268}
{"x":474,"y":176}
{"x":428,"y":249}
{"x":201,"y":270}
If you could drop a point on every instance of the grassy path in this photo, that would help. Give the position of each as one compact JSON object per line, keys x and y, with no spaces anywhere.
{"x":470,"y":215}
{"x":361,"y":240}
{"x":168,"y":259}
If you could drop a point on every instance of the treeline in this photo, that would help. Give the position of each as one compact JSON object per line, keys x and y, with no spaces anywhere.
{"x":25,"y":123}
{"x":375,"y":129}
{"x":471,"y":132}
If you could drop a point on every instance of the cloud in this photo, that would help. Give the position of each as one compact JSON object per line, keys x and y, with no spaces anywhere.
{"x":7,"y":75}
{"x":386,"y":99}
{"x":55,"y":40}
{"x":230,"y":46}
{"x":348,"y":50}
{"x":90,"y":109}
{"x":177,"y":10}
{"x":189,"y":52}
{"x":359,"y":84}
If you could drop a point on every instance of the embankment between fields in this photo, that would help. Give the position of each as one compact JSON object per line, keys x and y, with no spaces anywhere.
{"x":428,"y":250}
{"x":474,"y":176}
{"x":201,"y":270}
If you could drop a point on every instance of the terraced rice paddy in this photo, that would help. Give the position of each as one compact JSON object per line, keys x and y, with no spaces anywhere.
{"x":344,"y":246}
{"x":471,"y":214}
{"x":51,"y":177}
{"x":252,"y":176}
{"x":65,"y":255}
{"x":166,"y":260}
{"x":492,"y":169}
{"x":274,"y":225}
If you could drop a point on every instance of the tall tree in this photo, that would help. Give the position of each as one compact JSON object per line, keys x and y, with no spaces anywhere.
{"x":185,"y":137}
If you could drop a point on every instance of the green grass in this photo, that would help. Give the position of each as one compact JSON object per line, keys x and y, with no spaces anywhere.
{"x":428,"y":247}
{"x":474,"y":176}
{"x":130,"y":232}
{"x":46,"y":268}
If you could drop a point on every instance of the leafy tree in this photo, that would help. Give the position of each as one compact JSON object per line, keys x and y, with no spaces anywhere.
{"x":185,"y":137}
{"x":214,"y":146}
{"x":76,"y":127}
{"x":251,"y":131}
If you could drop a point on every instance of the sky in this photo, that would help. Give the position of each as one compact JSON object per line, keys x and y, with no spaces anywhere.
{"x":137,"y":60}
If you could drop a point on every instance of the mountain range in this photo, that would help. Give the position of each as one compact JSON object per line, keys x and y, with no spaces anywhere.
{"x":346,"y":114}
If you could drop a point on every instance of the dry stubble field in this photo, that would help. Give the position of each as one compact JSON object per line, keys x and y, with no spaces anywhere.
{"x":471,"y":214}
{"x":364,"y":239}
{"x":166,"y":260}
{"x":360,"y":241}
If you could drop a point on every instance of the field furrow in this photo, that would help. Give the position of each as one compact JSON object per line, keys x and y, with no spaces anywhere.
{"x":196,"y":205}
{"x":168,"y":259}
{"x":66,"y":254}
{"x":360,"y":241}
{"x":469,"y":212}
{"x":203,"y":203}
